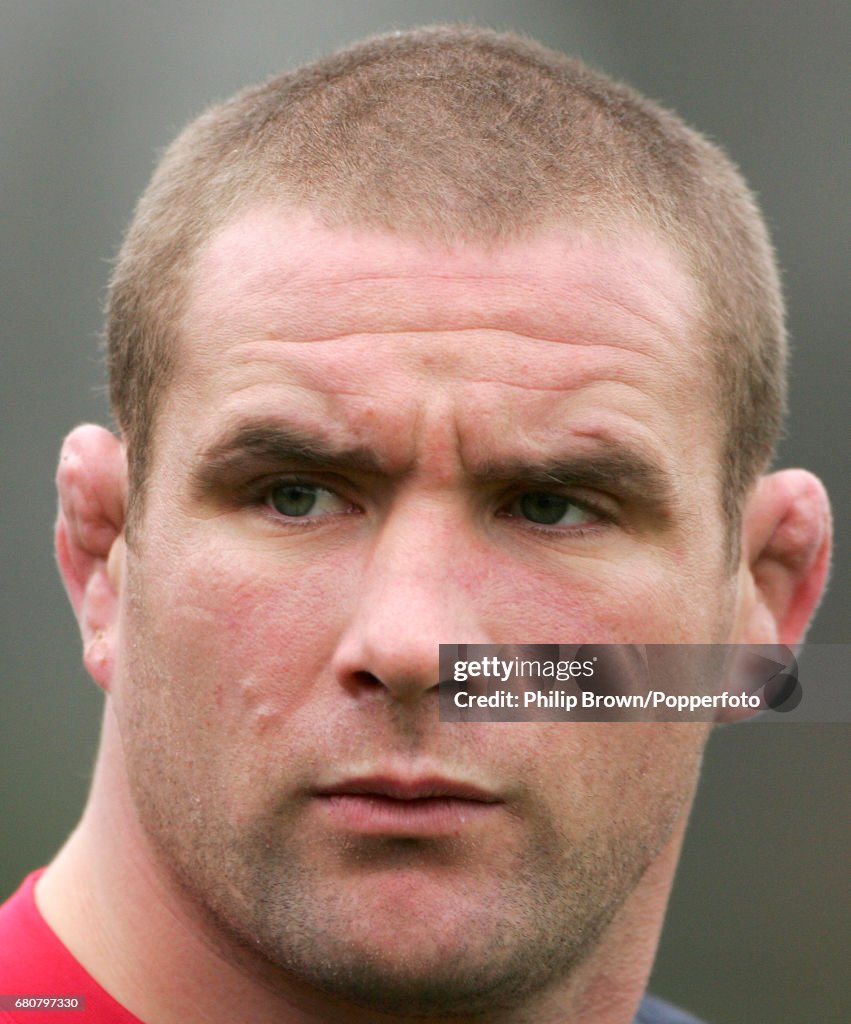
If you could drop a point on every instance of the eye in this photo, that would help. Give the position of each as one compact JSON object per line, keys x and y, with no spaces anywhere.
{"x":546,"y":509}
{"x":304,"y":501}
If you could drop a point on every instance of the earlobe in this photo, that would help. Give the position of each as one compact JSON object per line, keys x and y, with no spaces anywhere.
{"x":92,"y":483}
{"x":786,"y":537}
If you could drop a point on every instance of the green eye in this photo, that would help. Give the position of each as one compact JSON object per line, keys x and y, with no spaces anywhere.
{"x":298,"y":501}
{"x":550,"y":510}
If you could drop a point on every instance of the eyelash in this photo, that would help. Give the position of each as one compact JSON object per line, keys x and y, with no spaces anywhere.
{"x":260,"y":493}
{"x":603,"y":518}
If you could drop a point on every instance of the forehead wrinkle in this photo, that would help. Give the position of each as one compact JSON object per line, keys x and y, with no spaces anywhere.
{"x":291,"y":320}
{"x":474,"y":332}
{"x":672,"y":326}
{"x":274,"y":352}
{"x":571,"y":364}
{"x":290,"y":383}
{"x":298,"y":264}
{"x":579,"y":386}
{"x":325,"y":412}
{"x":294,"y":306}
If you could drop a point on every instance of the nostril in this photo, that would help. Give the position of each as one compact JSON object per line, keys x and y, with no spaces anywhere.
{"x":402,"y":682}
{"x":363,"y":680}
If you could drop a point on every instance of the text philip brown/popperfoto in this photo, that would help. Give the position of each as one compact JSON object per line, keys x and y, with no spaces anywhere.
{"x":581,"y":673}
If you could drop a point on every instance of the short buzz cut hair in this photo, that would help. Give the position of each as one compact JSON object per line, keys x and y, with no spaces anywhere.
{"x":458,"y":134}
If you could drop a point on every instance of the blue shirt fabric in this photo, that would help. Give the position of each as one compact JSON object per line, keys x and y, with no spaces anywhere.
{"x":657,"y":1011}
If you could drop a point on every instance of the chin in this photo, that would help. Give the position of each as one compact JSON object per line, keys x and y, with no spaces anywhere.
{"x":414,"y":946}
{"x":451,"y":981}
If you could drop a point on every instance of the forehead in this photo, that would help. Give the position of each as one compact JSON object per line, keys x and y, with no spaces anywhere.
{"x":283,"y":268}
{"x":411,"y":345}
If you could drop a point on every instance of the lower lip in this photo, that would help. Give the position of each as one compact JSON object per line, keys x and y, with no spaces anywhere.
{"x":371,"y":814}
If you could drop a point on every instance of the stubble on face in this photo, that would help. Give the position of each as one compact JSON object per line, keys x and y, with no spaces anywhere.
{"x":514,"y":926}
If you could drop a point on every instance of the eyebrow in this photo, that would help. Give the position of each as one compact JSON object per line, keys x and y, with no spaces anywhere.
{"x":270,"y":445}
{"x":612,"y":466}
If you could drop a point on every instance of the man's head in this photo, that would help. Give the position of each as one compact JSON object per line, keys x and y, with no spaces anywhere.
{"x":460,"y":135}
{"x":402,"y":400}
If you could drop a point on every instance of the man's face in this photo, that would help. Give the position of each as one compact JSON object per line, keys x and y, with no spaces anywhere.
{"x":370,"y":447}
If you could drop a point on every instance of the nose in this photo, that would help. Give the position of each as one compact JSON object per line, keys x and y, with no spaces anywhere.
{"x":417,"y":591}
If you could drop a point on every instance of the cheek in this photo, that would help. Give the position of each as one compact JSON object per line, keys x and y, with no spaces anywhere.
{"x":257,"y":613}
{"x":631,"y":781}
{"x":225,"y":686}
{"x":236,"y":650}
{"x":635,"y":598}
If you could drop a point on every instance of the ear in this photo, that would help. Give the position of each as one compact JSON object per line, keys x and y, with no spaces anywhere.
{"x":786,"y":540}
{"x":92,"y":484}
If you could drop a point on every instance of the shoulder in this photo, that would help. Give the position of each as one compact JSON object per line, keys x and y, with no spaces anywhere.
{"x":32,"y":959}
{"x":656,"y":1011}
{"x":25,"y":941}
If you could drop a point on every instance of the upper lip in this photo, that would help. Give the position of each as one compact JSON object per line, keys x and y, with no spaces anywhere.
{"x":417,"y":788}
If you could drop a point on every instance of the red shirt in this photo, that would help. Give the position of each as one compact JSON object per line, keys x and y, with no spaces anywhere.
{"x":33,"y":962}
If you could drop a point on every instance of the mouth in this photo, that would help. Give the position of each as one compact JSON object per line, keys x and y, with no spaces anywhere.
{"x":406,"y":807}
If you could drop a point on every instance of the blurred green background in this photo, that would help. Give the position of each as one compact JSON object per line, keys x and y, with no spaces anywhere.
{"x":90,"y":90}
